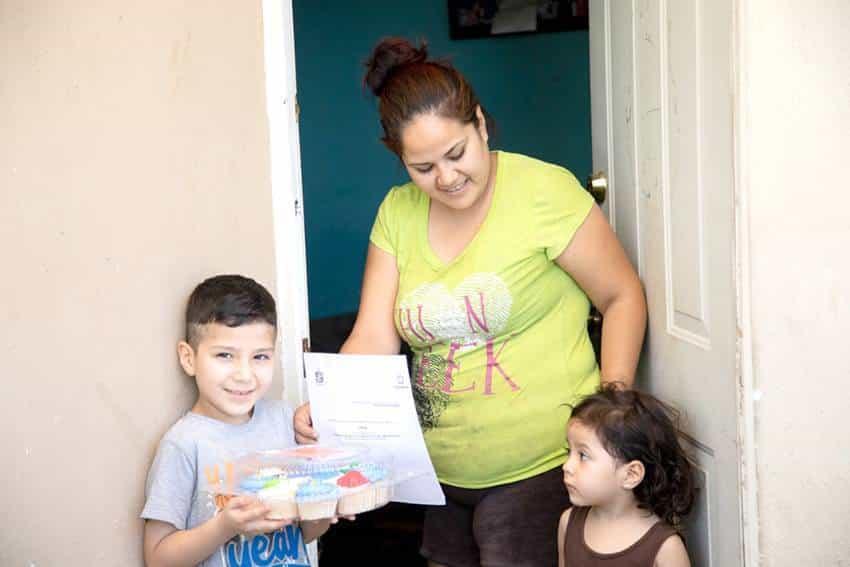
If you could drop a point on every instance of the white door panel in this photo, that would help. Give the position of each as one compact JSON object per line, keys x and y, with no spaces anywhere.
{"x":664,"y":68}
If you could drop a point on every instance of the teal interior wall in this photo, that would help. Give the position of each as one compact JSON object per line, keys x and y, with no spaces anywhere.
{"x":537,"y":88}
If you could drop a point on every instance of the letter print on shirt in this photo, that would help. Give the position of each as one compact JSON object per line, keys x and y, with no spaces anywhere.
{"x":441,"y":325}
{"x":283,"y":548}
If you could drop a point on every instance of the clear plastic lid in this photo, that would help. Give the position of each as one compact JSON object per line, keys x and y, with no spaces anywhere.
{"x":257,"y":470}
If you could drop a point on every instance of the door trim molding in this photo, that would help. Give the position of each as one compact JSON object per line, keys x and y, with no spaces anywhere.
{"x":748,"y":393}
{"x":285,"y":174}
{"x":287,"y":202}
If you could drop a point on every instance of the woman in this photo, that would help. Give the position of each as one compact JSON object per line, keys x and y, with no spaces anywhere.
{"x":486,"y":264}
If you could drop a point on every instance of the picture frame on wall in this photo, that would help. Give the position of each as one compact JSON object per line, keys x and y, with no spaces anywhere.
{"x":473,"y":19}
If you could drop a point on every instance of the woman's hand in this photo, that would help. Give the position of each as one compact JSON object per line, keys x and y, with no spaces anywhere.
{"x":303,"y":424}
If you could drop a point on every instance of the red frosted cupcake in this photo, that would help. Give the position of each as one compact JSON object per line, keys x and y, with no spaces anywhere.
{"x":357,"y":494}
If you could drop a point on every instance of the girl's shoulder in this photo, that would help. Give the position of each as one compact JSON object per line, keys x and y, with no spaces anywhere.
{"x":672,"y":552}
{"x":565,"y":520}
{"x":575,"y":513}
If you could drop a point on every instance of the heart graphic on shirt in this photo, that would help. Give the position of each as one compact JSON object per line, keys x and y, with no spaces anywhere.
{"x":478,"y":308}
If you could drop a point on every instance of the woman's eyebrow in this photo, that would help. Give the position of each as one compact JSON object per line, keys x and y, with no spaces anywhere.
{"x":451,"y":150}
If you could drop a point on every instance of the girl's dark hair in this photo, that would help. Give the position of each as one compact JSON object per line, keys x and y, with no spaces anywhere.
{"x":231,"y":300}
{"x":407,"y":84}
{"x":634,"y":426}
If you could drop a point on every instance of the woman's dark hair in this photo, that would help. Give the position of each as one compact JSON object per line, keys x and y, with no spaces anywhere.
{"x":230,"y":300}
{"x":634,"y":426}
{"x":407,"y":84}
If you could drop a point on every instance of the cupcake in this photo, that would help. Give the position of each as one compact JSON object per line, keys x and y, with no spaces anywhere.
{"x":279,"y":495}
{"x":325,"y":475}
{"x":316,"y":500}
{"x":357,"y":494}
{"x":253,"y":484}
{"x":259,"y":480}
{"x":379,"y":478}
{"x":271,"y":472}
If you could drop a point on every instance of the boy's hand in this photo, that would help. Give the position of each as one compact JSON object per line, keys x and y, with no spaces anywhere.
{"x":303,"y":424}
{"x":245,"y":515}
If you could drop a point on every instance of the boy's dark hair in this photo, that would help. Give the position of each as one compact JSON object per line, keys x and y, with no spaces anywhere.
{"x":634,"y":426}
{"x":230,"y":300}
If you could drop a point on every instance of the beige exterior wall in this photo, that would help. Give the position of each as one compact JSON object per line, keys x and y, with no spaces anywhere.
{"x":133,"y":163}
{"x":796,"y":136}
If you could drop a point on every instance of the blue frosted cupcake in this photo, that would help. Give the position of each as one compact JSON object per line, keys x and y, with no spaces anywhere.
{"x":316,"y":500}
{"x":254,"y":484}
{"x":261,"y":479}
{"x":328,"y":475}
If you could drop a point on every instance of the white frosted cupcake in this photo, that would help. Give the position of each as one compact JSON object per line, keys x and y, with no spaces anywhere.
{"x":279,"y":495}
{"x":316,"y":500}
{"x":379,"y":478}
{"x":357,"y":494}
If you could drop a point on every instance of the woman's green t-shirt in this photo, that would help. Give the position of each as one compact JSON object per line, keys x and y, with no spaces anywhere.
{"x":499,"y":334}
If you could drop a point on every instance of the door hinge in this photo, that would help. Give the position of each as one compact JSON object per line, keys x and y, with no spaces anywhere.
{"x":305,"y":347}
{"x":297,"y":207}
{"x":297,"y":110}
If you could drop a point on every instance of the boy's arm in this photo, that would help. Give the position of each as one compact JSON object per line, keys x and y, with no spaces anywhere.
{"x":562,"y":533}
{"x":311,"y":530}
{"x":672,"y":553}
{"x":166,"y":546}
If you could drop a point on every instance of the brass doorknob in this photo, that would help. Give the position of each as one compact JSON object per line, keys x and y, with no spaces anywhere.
{"x":597,"y":186}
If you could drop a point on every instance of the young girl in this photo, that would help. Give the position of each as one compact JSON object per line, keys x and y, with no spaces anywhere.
{"x":629,"y":481}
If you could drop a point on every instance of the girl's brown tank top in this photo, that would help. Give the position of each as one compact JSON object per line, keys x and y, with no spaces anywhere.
{"x":640,"y":554}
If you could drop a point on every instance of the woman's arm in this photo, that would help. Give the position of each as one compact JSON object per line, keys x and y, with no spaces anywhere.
{"x":374,"y":330}
{"x":166,"y":546}
{"x":597,"y":262}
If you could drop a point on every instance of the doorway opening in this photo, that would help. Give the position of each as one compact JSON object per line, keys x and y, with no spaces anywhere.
{"x":537,"y":88}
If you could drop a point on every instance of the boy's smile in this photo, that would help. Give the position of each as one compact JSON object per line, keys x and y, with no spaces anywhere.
{"x":233,"y":367}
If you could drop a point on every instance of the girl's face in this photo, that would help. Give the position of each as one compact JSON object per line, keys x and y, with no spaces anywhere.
{"x":448,"y":160}
{"x":592,"y":476}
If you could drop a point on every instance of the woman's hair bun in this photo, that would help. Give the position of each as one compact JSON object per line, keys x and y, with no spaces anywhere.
{"x":390,"y":54}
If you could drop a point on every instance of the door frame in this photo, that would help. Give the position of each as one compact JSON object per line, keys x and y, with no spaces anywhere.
{"x":284,"y":155}
{"x":748,"y":393}
{"x":287,"y":195}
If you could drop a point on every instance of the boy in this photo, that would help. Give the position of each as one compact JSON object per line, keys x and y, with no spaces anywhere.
{"x":231,"y":329}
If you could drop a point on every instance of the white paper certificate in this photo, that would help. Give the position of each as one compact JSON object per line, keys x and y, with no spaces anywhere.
{"x":367,"y":400}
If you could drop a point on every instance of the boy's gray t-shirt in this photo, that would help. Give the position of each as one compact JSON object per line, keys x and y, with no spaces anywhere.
{"x":192,"y":453}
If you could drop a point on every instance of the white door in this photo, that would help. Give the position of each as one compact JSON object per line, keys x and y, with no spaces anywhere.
{"x":661,"y":79}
